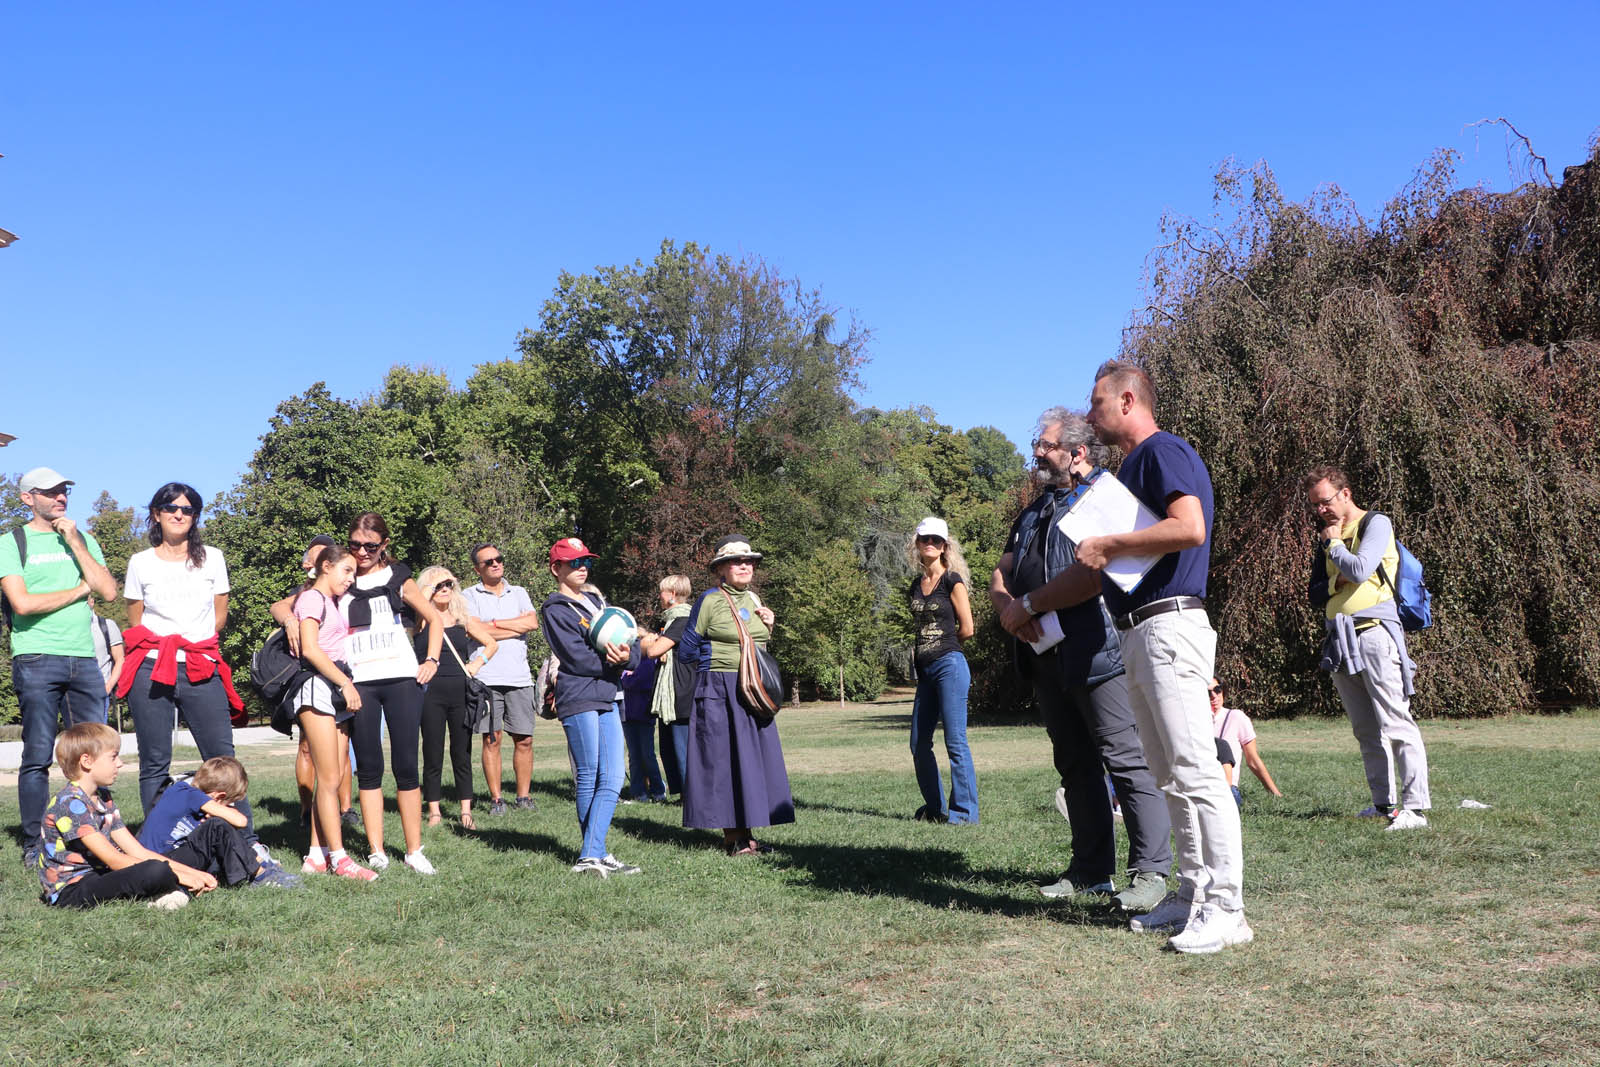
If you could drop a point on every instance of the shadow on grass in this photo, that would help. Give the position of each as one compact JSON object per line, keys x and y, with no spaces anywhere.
{"x":937,"y":877}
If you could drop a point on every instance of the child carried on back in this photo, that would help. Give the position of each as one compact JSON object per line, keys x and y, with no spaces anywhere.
{"x":87,"y":854}
{"x":195,"y":820}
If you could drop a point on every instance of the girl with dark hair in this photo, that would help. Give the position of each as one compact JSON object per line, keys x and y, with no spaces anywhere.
{"x":384,"y":667}
{"x":177,"y":593}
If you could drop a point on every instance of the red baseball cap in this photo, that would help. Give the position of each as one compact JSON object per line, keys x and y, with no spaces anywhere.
{"x":569,"y":548}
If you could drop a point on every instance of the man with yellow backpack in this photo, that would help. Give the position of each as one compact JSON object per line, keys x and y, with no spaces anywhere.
{"x":1356,"y":579}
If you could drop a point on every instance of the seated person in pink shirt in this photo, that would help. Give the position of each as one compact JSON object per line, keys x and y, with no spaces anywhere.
{"x":1234,"y":727}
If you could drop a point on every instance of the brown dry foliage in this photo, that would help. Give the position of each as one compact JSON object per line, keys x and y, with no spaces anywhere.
{"x":1448,"y":358}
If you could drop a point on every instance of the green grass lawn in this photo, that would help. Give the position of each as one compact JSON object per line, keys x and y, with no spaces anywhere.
{"x":865,"y":938}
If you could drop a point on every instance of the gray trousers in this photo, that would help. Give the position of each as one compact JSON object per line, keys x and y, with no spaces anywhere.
{"x":1380,"y":717}
{"x":1091,"y":733}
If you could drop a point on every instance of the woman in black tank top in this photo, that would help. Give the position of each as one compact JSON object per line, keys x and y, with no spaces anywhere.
{"x":942,"y":615}
{"x":445,"y":700}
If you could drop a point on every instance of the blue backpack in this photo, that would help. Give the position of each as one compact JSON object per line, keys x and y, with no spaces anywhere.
{"x":1411,"y":596}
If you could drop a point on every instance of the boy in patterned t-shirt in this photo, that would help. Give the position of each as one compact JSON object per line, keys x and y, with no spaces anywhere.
{"x":86,"y":854}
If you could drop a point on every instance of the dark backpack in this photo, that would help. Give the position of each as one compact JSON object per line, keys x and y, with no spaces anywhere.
{"x":273,"y":667}
{"x":1412,"y":601}
{"x":21,"y":536}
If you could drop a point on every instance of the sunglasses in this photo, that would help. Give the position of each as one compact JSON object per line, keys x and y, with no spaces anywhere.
{"x":577,"y":564}
{"x":365,"y":546}
{"x":445,"y":583}
{"x":1214,"y":690}
{"x":929,"y":539}
{"x":177,"y":509}
{"x":59,"y":490}
{"x":491,"y":561}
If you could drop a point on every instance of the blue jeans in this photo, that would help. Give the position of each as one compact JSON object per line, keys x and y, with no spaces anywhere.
{"x":942,"y":698}
{"x":674,"y":753}
{"x":594,"y":745}
{"x":55,"y":692}
{"x":204,"y":707}
{"x":644,"y":774}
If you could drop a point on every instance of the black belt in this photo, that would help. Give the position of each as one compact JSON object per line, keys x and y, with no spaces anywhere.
{"x":1159,"y":607}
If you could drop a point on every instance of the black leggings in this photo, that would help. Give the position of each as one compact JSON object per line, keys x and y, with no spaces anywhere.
{"x":443,"y":704}
{"x":399,"y":702}
{"x":151,"y":878}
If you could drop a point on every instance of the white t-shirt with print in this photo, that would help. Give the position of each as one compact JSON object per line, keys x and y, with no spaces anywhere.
{"x":178,"y":598}
{"x":381,"y":651}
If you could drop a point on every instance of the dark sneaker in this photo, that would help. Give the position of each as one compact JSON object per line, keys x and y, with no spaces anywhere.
{"x":524,"y":803}
{"x":349,"y":817}
{"x":1144,"y":891}
{"x":616,"y":866}
{"x":30,"y":860}
{"x":275,"y":876}
{"x":497,"y":807}
{"x":1065,"y":888}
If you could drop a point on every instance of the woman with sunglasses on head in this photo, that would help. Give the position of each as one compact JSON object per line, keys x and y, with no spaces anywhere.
{"x":177,"y":593}
{"x":586,"y":693}
{"x":735,"y":777}
{"x":942,"y":616}
{"x":390,"y":679}
{"x":444,"y":703}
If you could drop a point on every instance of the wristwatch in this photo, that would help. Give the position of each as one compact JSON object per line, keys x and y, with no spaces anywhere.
{"x":1027,"y":604}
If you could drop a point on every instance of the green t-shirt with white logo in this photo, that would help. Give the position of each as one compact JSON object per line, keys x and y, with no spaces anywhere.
{"x":50,"y":569}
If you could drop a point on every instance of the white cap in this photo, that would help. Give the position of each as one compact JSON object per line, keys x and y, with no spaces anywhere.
{"x":42,"y":478}
{"x":932,"y":527}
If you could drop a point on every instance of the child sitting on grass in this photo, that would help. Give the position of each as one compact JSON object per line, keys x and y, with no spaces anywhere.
{"x":86,"y":854}
{"x":195,"y":819}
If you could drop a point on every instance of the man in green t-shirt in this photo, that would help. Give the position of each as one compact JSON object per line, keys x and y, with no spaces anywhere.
{"x":48,"y":568}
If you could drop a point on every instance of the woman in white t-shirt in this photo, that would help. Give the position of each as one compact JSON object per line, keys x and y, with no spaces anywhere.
{"x":177,"y":594}
{"x":390,"y":681}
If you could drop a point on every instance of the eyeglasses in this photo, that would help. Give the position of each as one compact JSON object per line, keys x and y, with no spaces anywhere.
{"x":578,"y":564}
{"x":491,"y":561}
{"x":445,"y":583}
{"x":1040,"y":444}
{"x":1313,"y":503}
{"x":365,"y":546}
{"x":929,"y":539}
{"x":177,"y":509}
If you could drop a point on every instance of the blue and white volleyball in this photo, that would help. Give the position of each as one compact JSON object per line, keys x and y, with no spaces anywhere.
{"x":613,"y":626}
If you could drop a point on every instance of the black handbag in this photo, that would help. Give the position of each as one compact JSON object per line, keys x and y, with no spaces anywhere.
{"x":760,"y":683}
{"x":476,"y":705}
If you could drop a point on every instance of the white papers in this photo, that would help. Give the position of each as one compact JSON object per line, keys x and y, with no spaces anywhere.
{"x":1051,"y":632}
{"x":1109,"y":508}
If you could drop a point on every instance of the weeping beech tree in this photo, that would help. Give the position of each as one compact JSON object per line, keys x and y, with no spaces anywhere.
{"x":1447,"y":356}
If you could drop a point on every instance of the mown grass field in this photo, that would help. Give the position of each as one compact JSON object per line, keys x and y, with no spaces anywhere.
{"x":866,"y":938}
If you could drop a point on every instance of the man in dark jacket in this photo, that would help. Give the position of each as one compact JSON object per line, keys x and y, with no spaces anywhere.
{"x":1079,"y":683}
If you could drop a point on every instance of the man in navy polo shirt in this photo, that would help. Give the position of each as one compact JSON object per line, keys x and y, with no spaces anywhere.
{"x":1168,"y":648}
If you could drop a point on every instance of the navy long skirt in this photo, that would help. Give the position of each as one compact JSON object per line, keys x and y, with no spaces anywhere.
{"x":735,"y":775}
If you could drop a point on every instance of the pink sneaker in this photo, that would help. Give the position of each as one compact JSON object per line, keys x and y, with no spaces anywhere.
{"x":349,"y":868}
{"x":317,"y":864}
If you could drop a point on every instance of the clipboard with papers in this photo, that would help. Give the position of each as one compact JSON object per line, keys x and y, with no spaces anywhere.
{"x":1109,"y":508}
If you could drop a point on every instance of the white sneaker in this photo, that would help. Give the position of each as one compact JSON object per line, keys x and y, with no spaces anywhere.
{"x":616,"y":866}
{"x":378,"y":861}
{"x":1061,"y":803}
{"x":1212,"y":930}
{"x":419,"y":863}
{"x":170,"y":901}
{"x":591,"y":866}
{"x":1168,"y":917}
{"x":1407,"y":820}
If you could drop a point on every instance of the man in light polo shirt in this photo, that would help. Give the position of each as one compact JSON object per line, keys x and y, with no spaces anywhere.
{"x":53,"y":667}
{"x":508,"y":613}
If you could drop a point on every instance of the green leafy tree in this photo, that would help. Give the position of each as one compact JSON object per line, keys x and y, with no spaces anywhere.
{"x":829,"y":629}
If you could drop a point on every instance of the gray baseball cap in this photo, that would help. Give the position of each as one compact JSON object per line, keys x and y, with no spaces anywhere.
{"x":42,"y":478}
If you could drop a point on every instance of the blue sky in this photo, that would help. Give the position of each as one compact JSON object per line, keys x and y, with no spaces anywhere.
{"x":221,"y":204}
